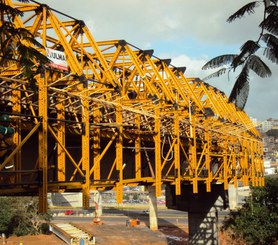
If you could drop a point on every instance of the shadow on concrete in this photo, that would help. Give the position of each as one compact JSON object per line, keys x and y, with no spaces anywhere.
{"x":59,"y":200}
{"x":202,"y":210}
{"x":175,"y":235}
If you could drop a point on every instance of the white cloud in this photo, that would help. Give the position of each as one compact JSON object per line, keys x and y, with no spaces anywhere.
{"x":193,"y":65}
{"x":145,"y":22}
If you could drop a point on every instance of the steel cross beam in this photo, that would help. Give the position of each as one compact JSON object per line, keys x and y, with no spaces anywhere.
{"x":117,"y":115}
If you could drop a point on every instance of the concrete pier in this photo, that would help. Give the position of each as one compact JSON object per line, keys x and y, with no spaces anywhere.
{"x":233,"y":197}
{"x":97,"y":199}
{"x":202,"y":210}
{"x":152,"y":208}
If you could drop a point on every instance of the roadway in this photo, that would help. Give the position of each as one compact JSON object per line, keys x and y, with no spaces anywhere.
{"x":166,"y":217}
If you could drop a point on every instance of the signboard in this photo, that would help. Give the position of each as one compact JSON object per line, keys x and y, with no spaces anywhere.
{"x":58,"y":59}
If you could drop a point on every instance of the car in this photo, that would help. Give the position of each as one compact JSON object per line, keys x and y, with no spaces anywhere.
{"x":146,"y":211}
{"x":69,"y":212}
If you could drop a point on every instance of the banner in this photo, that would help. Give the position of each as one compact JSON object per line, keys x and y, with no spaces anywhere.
{"x":58,"y":59}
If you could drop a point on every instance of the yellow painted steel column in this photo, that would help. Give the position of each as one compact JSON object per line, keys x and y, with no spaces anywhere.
{"x":245,"y":161}
{"x":177,"y":154}
{"x":61,"y":155}
{"x":225,"y":162}
{"x":86,"y":151}
{"x":261,"y":151}
{"x":137,"y":149}
{"x":157,"y":143}
{"x":119,"y":155}
{"x":43,"y":105}
{"x":96,"y":144}
{"x":253,"y":162}
{"x":16,"y":96}
{"x":208,"y":161}
{"x":193,"y":156}
{"x":234,"y":164}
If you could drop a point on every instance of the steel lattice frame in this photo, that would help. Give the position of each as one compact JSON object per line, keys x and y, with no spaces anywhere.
{"x":121,"y":101}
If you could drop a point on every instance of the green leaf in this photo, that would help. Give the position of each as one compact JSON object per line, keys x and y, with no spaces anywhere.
{"x":249,"y":47}
{"x":240,"y":91}
{"x":216,"y":74}
{"x":270,"y":23}
{"x":272,"y":9}
{"x":256,"y":222}
{"x":248,"y":8}
{"x":258,"y":66}
{"x":271,"y":41}
{"x":271,"y":54}
{"x":10,"y":10}
{"x":219,"y":61}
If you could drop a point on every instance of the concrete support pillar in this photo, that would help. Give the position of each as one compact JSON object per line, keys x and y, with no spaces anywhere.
{"x":202,"y":209}
{"x":152,"y":209}
{"x":203,"y":227}
{"x":97,"y":199}
{"x":233,"y":197}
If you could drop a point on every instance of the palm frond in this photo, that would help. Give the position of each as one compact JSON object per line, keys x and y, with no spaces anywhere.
{"x":271,"y":41}
{"x":271,"y":54}
{"x":249,"y":47}
{"x":248,"y":8}
{"x":215,"y":74}
{"x":272,"y":9}
{"x":271,"y":50}
{"x":270,"y":23}
{"x":258,"y":66}
{"x":219,"y":61}
{"x":10,"y":10}
{"x":240,"y":91}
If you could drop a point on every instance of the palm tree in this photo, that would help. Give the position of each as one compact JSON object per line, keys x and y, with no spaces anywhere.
{"x":18,"y":45}
{"x":247,"y":59}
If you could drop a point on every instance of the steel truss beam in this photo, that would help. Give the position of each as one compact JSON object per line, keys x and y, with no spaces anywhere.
{"x":118,"y":116}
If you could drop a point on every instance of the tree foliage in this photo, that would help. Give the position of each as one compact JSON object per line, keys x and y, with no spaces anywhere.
{"x":19,"y":216}
{"x":18,"y":46}
{"x":257,"y":221}
{"x":247,"y":60}
{"x":272,"y":132}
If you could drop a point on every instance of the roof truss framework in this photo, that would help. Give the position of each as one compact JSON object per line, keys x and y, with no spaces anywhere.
{"x":134,"y":118}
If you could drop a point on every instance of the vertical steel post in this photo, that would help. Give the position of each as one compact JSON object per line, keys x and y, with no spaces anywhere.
{"x":137,"y":149}
{"x":86,"y":150}
{"x":61,"y":155}
{"x":225,"y":162}
{"x":16,"y":96}
{"x":193,"y":155}
{"x":208,"y":161}
{"x":157,"y":143}
{"x":177,"y":154}
{"x":96,"y":143}
{"x":119,"y":155}
{"x":43,"y":105}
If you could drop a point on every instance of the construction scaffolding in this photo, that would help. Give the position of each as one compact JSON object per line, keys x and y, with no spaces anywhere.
{"x":111,"y":114}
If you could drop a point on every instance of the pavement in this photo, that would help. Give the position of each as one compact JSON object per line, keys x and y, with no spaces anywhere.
{"x":114,"y":234}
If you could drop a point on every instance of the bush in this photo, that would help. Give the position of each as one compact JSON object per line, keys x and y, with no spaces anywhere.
{"x":257,"y":221}
{"x":19,"y":216}
{"x":6,"y":214}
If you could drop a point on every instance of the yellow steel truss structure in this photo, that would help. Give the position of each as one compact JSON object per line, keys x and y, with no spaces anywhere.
{"x":119,"y":116}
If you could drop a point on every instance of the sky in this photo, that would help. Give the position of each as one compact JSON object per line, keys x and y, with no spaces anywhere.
{"x":189,"y":32}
